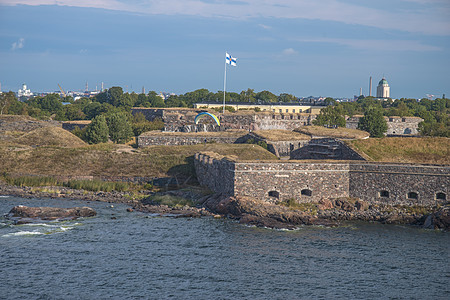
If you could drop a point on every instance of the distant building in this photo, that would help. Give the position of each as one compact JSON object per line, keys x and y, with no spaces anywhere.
{"x":24,"y":92}
{"x":383,"y":89}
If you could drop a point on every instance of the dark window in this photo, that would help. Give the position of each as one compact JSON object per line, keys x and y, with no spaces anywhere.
{"x":292,"y":117}
{"x":403,"y":120}
{"x":441,"y":196}
{"x":407,"y":131}
{"x":306,"y":192}
{"x":273,"y":117}
{"x":413,"y":195}
{"x":391,"y":119}
{"x":274,"y":194}
{"x":384,"y":194}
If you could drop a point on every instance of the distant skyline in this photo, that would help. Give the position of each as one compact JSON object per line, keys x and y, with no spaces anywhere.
{"x":302,"y":47}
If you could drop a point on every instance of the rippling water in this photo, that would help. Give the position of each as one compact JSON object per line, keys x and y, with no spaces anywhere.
{"x":146,"y":257}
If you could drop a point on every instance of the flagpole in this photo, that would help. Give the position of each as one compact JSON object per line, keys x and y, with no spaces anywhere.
{"x":224,"y":84}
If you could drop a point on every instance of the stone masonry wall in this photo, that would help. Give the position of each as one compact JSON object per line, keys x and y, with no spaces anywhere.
{"x":304,"y":182}
{"x":371,"y":182}
{"x":309,"y":182}
{"x":325,"y":148}
{"x":396,"y":125}
{"x":214,"y":172}
{"x":144,"y":141}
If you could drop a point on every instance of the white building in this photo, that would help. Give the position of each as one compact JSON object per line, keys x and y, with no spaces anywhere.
{"x":24,"y":92}
{"x":383,"y":89}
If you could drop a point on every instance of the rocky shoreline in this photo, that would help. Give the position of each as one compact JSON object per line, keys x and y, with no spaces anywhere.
{"x":250,"y":211}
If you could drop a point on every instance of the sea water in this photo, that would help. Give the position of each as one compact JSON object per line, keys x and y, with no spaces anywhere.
{"x":122,"y":255}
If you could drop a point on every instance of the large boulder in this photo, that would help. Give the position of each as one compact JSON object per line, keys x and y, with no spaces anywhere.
{"x":439,"y":219}
{"x":50,"y":213}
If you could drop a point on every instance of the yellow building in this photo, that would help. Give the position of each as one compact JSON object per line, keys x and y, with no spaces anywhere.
{"x":275,"y":107}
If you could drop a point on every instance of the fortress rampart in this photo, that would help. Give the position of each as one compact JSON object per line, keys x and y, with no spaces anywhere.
{"x":182,"y":119}
{"x":396,"y":125}
{"x":308,"y":181}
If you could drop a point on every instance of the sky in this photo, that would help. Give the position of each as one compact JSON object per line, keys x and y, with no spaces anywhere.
{"x":326,"y":48}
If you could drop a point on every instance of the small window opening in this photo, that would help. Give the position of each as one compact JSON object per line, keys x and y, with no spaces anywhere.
{"x":403,"y":120}
{"x":274,"y":194}
{"x":441,"y":196}
{"x":306,"y":192}
{"x":273,"y":117}
{"x":384,"y":194}
{"x":413,"y":195}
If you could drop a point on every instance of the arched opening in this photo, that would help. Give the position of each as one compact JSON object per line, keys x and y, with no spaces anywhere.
{"x":274,"y":194}
{"x":306,"y":192}
{"x":407,"y":131}
{"x":413,"y":195}
{"x":441,"y":196}
{"x":384,"y":194}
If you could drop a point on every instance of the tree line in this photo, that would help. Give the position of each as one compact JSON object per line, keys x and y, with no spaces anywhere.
{"x":435,"y":114}
{"x":114,"y":101}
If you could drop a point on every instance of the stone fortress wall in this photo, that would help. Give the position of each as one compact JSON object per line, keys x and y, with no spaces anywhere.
{"x":396,"y":125}
{"x":182,"y":120}
{"x":308,"y":181}
{"x":178,"y":140}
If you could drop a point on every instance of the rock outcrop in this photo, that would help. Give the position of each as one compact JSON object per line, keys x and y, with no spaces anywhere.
{"x":50,"y":213}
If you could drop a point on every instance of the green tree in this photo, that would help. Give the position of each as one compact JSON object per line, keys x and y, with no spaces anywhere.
{"x":373,"y":122}
{"x":331,"y":116}
{"x":247,"y":96}
{"x":266,"y":97}
{"x":6,"y":99}
{"x":97,"y":131}
{"x":120,"y":130}
{"x":329,"y":101}
{"x":284,"y":97}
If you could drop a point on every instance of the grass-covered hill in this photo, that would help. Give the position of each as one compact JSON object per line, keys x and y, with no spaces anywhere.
{"x":115,"y":160}
{"x":340,"y":132}
{"x":50,"y":136}
{"x":423,"y":150}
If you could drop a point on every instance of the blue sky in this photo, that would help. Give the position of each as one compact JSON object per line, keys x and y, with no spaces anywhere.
{"x":302,"y":47}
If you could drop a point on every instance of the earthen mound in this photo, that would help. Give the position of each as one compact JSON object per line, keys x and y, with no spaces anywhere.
{"x":50,"y":136}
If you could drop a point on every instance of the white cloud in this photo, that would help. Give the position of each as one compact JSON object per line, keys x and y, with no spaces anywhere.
{"x":18,"y":45}
{"x":430,"y":18}
{"x":265,"y":26}
{"x":381,"y":45}
{"x":289,"y":51}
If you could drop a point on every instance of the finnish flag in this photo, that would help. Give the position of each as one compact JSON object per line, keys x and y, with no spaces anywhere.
{"x":230,"y":59}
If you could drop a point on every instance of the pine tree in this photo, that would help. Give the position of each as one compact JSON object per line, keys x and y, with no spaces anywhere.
{"x":97,"y":131}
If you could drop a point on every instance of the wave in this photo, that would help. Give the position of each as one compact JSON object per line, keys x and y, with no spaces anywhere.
{"x":23,"y":233}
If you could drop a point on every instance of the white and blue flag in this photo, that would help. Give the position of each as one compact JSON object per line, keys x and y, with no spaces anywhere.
{"x":230,"y":59}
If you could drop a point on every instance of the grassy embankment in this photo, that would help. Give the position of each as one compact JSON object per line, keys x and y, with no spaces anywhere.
{"x":423,"y":150}
{"x":340,"y":132}
{"x":54,"y":151}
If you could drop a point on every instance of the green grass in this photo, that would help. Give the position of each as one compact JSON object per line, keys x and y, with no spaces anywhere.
{"x":99,"y":185}
{"x":31,"y":181}
{"x":427,"y":150}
